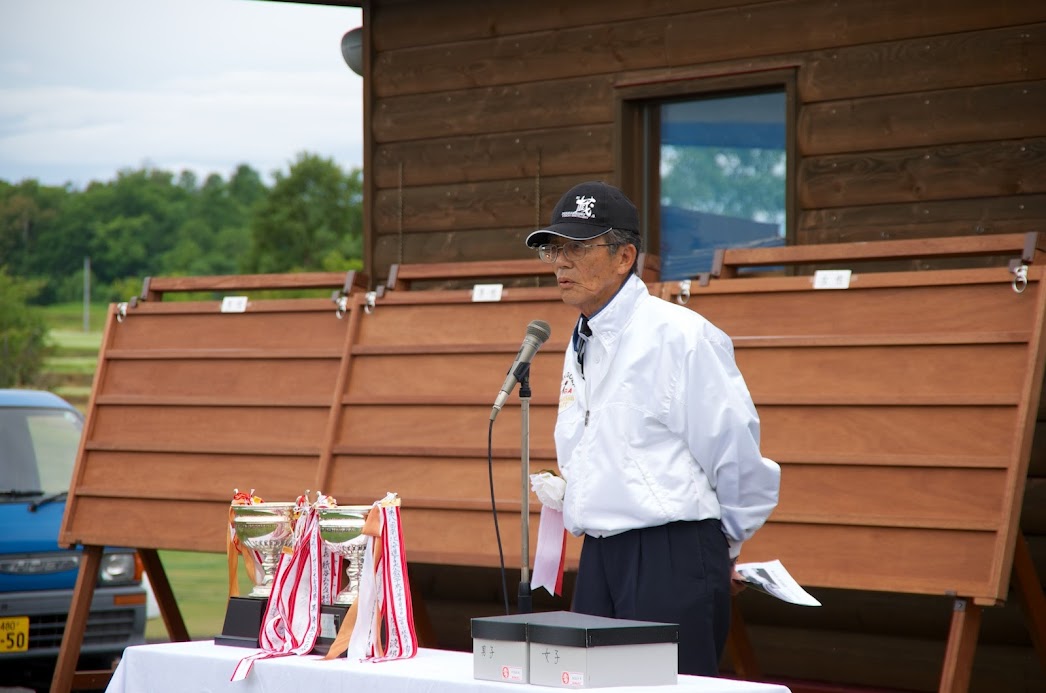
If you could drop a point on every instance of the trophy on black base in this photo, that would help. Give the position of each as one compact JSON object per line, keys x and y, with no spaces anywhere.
{"x":341,"y":528}
{"x":265,"y":528}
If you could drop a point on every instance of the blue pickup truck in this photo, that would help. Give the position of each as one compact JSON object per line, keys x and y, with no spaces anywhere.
{"x":39,"y":438}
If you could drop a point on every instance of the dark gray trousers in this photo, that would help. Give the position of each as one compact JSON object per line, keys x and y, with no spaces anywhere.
{"x":674,"y":573}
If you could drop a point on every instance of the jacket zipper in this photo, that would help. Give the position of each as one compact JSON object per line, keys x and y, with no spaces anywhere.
{"x":587,"y":410}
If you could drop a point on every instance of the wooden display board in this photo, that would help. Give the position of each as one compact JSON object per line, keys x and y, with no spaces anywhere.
{"x":190,"y":400}
{"x":901,"y":410}
{"x":901,"y":407}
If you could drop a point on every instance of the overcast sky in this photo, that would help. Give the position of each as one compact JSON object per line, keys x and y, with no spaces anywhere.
{"x":90,"y":87}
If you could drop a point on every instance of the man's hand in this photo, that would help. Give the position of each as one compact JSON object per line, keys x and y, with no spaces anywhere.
{"x":737,"y":583}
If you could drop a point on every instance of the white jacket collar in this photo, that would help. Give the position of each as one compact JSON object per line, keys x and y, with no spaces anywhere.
{"x":608,"y":321}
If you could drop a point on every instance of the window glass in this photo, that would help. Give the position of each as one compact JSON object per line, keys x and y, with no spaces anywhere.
{"x":56,"y":437}
{"x":722,"y":171}
{"x":38,"y":449}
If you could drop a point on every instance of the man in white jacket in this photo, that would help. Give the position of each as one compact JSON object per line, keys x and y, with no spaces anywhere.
{"x":657,"y":436}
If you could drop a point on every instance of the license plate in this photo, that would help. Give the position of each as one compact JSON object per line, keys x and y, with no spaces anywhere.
{"x":14,"y":634}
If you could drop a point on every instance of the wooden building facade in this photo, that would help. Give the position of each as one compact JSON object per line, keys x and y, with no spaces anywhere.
{"x":901,"y":120}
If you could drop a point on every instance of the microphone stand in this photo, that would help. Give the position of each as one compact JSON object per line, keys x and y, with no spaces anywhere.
{"x":524,"y":596}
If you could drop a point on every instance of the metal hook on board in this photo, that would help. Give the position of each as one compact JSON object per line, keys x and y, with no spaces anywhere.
{"x":1020,"y":278}
{"x":684,"y":292}
{"x":342,"y":301}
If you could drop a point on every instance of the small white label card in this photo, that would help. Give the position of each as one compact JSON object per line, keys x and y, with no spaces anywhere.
{"x":832,"y":279}
{"x":572,"y":679}
{"x":486,"y":293}
{"x":234,"y":304}
{"x":328,"y":626}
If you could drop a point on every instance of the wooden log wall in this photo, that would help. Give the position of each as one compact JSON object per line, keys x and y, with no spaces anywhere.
{"x":912,"y":119}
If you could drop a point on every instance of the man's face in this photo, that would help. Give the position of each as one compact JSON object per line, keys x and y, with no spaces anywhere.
{"x":590,"y":282}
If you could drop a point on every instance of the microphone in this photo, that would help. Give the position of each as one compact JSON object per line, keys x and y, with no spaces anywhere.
{"x":538,"y":331}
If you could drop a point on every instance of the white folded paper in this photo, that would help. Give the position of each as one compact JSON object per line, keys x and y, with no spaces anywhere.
{"x":772,"y":578}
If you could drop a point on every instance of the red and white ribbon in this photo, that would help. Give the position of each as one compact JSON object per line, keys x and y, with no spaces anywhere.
{"x":304,"y":579}
{"x":551,"y":553}
{"x":397,"y":609}
{"x":384,"y":597}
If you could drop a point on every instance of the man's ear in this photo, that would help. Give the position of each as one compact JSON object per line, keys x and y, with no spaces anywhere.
{"x":626,"y":258}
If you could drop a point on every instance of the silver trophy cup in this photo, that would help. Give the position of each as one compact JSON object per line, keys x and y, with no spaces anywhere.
{"x":266,"y":528}
{"x":341,"y":529}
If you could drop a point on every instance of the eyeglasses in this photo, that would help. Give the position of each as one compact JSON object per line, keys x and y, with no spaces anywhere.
{"x":572,"y":251}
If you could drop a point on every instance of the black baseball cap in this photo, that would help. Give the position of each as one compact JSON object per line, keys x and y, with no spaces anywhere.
{"x":586,"y":211}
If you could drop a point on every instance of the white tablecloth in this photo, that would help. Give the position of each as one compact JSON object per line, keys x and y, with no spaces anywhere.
{"x":203,"y":667}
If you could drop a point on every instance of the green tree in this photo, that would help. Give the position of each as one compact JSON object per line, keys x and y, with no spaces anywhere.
{"x":60,"y":249}
{"x":120,"y":246}
{"x":29,"y":214}
{"x":150,"y":222}
{"x":311,"y":220}
{"x":23,"y":332}
{"x":215,"y":236}
{"x":132,"y":221}
{"x":246,"y":187}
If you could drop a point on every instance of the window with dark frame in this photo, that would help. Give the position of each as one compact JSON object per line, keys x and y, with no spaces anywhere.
{"x":709,"y":163}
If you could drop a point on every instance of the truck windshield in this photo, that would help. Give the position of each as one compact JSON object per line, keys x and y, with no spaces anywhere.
{"x":37,"y":450}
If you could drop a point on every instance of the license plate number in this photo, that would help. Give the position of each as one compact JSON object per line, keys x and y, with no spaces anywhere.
{"x":14,"y":634}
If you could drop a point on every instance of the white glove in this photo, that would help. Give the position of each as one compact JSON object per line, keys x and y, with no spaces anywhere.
{"x":550,"y":489}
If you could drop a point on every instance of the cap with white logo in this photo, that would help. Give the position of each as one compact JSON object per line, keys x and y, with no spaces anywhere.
{"x":586,"y":211}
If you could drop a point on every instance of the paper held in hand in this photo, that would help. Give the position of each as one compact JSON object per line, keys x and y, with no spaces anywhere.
{"x":772,"y":578}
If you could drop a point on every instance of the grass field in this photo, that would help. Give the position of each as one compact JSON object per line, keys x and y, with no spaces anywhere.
{"x":69,"y":317}
{"x":74,"y":352}
{"x":199,"y":580}
{"x":200,"y":584}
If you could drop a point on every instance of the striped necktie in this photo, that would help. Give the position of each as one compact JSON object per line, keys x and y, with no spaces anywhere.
{"x":584,"y":332}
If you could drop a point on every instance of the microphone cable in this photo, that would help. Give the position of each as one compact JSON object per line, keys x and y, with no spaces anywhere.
{"x":538,"y":331}
{"x":494,"y":509}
